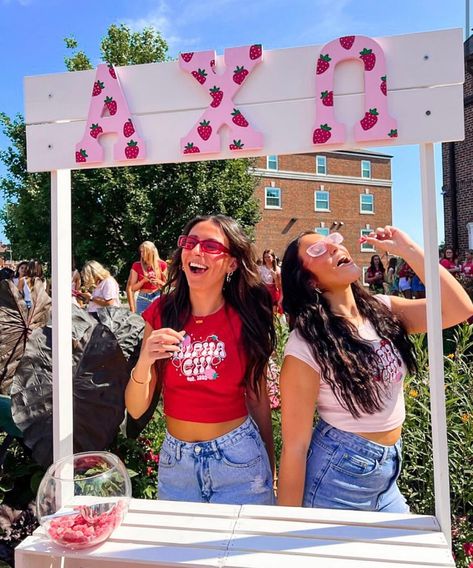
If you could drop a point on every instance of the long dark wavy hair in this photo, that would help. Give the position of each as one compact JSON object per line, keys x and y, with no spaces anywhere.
{"x":245,"y":293}
{"x":347,"y":362}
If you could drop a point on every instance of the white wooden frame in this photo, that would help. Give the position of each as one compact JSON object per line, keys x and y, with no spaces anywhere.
{"x":425,"y":96}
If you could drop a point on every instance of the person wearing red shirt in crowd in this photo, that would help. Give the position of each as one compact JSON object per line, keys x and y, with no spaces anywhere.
{"x":467,"y":266}
{"x":449,"y":261}
{"x":147,"y":276}
{"x":375,"y":275}
{"x":207,"y":342}
{"x":271,"y":276}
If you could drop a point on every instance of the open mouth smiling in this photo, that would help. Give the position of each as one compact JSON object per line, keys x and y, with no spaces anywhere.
{"x":197,"y":268}
{"x":343,"y":260}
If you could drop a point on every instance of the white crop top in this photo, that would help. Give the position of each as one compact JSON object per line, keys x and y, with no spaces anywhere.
{"x":393,"y":373}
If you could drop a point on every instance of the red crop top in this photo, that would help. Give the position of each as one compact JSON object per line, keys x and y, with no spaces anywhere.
{"x":204,"y":382}
{"x":148,"y":286}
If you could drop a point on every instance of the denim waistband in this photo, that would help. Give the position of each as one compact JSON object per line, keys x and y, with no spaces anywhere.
{"x":210,"y":447}
{"x":148,"y":293}
{"x":357,"y":443}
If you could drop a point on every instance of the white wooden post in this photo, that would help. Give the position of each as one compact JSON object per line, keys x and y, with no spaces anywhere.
{"x":61,"y":312}
{"x":434,"y":338}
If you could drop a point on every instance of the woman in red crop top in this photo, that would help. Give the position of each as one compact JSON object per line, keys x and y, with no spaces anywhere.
{"x":347,"y":355}
{"x":147,"y":277}
{"x":207,"y":342}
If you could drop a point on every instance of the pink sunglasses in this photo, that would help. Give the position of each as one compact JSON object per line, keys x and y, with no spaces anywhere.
{"x":320,"y":247}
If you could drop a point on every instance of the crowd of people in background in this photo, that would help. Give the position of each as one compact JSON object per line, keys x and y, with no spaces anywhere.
{"x":95,"y":285}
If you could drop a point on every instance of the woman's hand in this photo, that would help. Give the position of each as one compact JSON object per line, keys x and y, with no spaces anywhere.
{"x":390,"y":240}
{"x":162,"y":344}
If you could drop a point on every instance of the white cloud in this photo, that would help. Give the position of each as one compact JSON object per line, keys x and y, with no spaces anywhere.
{"x":165,"y":21}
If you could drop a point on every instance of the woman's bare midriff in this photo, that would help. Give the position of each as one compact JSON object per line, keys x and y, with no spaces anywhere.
{"x":200,"y":431}
{"x":388,"y":438}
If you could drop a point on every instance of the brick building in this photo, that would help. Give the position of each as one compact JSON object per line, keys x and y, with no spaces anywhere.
{"x":312,"y":191}
{"x":457,"y":161}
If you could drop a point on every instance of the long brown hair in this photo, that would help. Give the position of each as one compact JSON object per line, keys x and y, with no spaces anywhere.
{"x":347,"y":361}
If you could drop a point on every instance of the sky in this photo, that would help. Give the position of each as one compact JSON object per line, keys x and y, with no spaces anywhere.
{"x":32,"y":36}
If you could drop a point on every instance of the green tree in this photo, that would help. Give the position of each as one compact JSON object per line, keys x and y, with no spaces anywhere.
{"x":114,"y":210}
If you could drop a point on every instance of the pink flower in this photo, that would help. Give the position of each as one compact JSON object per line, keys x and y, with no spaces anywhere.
{"x":468,"y":548}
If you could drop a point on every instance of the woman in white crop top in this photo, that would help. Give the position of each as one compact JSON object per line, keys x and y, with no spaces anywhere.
{"x":347,"y":355}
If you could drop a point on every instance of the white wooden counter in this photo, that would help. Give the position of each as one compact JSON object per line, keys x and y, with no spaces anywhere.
{"x":165,"y":533}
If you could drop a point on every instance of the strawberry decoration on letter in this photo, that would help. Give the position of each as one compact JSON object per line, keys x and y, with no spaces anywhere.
{"x":238,"y":118}
{"x":111,"y":70}
{"x":256,"y":51}
{"x":109,"y":113}
{"x":217,"y":96}
{"x":98,"y":88}
{"x":191,"y":149}
{"x":200,"y":75}
{"x":384,"y":86}
{"x":224,"y":84}
{"x":95,"y":130}
{"x":323,"y":64}
{"x":128,"y":128}
{"x":81,"y":156}
{"x":369,"y":58}
{"x":322,"y":134}
{"x":347,"y":42}
{"x":370,"y":119}
{"x":187,"y":56}
{"x":375,"y":123}
{"x":236,"y":145}
{"x":327,"y":98}
{"x":239,"y":75}
{"x":205,"y":130}
{"x":132,"y":150}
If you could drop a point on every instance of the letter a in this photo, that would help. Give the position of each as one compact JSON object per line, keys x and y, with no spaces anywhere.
{"x":109,"y":113}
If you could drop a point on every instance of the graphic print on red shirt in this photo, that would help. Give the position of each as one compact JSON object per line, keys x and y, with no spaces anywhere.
{"x":198,"y":360}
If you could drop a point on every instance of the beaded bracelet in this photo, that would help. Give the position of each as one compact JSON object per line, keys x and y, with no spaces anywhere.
{"x":132,"y":375}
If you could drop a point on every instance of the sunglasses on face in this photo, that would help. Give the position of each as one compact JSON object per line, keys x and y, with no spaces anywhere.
{"x":207,"y":245}
{"x":321,"y":246}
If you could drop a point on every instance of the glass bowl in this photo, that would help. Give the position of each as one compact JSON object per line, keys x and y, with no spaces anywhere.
{"x":83,"y":498}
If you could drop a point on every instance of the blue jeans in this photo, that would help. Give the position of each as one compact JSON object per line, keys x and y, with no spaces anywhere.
{"x":233,"y":468}
{"x":144,"y":299}
{"x":346,"y":471}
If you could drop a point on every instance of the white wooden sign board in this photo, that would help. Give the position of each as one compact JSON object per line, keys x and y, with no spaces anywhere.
{"x":425,"y":97}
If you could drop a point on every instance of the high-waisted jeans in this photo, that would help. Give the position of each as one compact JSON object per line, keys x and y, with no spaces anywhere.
{"x":346,"y":471}
{"x":145,"y":299}
{"x":233,"y":468}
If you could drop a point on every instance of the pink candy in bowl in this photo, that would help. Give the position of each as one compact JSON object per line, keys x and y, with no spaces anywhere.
{"x":83,"y":498}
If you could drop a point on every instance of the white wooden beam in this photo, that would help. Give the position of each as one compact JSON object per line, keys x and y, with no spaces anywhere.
{"x":61,"y":313}
{"x":434,"y":338}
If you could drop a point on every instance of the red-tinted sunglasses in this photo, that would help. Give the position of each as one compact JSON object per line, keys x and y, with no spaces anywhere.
{"x":207,"y":245}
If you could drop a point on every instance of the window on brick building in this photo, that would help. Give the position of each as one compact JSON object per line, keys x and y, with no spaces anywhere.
{"x":366,"y":247}
{"x":363,"y":278}
{"x":272,"y":198}
{"x":324,"y":231}
{"x":321,"y":165}
{"x":272,"y":163}
{"x":322,"y":200}
{"x":366,"y":203}
{"x":365,"y":169}
{"x":469,"y":228}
